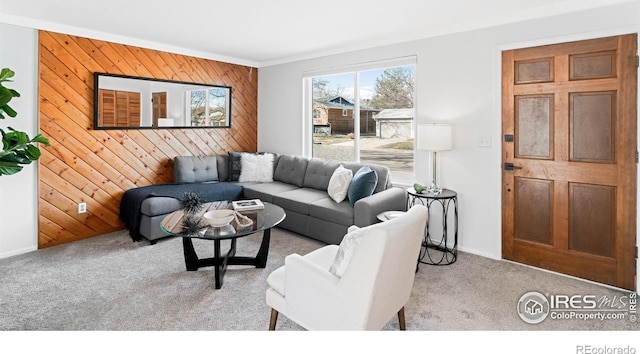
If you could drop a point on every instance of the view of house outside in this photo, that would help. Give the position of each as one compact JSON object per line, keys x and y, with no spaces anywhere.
{"x":386,"y":112}
{"x":208,"y":107}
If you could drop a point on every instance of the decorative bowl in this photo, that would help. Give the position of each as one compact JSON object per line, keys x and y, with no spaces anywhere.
{"x":219,"y":218}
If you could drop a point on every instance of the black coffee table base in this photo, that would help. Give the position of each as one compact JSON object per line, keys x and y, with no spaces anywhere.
{"x":220,"y":262}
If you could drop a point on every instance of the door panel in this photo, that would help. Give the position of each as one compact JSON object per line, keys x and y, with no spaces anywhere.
{"x":537,"y":70}
{"x":592,"y":65}
{"x":592,"y":221}
{"x":534,"y":224}
{"x":534,"y":126}
{"x":592,"y":124}
{"x":570,"y":203}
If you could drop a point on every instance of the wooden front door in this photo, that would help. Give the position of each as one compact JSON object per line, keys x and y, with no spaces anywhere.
{"x":159,"y":106}
{"x":569,"y":158}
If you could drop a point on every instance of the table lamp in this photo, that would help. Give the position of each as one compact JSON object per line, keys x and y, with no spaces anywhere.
{"x":434,"y":138}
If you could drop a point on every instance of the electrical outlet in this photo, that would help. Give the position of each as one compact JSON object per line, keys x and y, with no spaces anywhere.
{"x":82,"y":208}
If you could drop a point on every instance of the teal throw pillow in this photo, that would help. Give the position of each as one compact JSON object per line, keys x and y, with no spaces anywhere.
{"x":363,"y":184}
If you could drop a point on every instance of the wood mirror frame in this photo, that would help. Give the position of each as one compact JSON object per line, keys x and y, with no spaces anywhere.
{"x":132,"y":102}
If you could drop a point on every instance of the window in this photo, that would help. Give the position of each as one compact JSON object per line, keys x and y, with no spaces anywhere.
{"x":382,"y":98}
{"x":208,"y":107}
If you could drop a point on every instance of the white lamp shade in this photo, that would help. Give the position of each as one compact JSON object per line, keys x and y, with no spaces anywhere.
{"x":435,"y":137}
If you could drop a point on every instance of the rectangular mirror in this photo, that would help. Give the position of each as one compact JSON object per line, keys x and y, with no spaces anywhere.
{"x":130,"y":102}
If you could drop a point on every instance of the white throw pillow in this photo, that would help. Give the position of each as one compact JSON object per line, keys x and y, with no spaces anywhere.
{"x":347,"y":248}
{"x":256,"y":168}
{"x":339,"y":183}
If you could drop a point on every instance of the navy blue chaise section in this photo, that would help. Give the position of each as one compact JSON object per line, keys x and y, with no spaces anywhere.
{"x":132,"y":199}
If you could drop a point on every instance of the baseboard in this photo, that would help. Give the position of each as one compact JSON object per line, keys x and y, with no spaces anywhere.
{"x":470,"y":250}
{"x":478,"y":253}
{"x":18,"y":252}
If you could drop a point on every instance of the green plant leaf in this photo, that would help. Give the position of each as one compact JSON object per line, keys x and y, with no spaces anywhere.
{"x":22,"y":158}
{"x":9,"y":158}
{"x":16,"y":138}
{"x":5,"y":96}
{"x":10,"y":112}
{"x":33,"y":153}
{"x":9,"y":167}
{"x":17,"y":148}
{"x":41,"y":139}
{"x":6,"y":74}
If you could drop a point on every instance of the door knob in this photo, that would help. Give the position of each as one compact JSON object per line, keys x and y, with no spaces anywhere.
{"x":508,"y":166}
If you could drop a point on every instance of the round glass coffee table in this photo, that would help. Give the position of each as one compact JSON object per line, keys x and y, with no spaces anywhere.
{"x":263,"y":220}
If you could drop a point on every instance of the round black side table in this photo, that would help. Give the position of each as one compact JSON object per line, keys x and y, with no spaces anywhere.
{"x":438,"y":252}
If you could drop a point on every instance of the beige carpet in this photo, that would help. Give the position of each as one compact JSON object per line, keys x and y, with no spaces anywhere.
{"x":110,"y":283}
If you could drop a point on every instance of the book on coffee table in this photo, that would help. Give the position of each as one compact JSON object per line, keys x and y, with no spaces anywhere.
{"x":244,"y":205}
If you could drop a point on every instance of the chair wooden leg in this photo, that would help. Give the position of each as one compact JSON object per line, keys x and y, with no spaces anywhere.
{"x":274,"y":319}
{"x":403,"y":326}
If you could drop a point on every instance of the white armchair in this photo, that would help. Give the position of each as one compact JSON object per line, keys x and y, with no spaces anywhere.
{"x":374,"y":286}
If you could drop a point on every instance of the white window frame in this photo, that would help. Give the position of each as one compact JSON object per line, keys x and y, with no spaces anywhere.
{"x":207,"y":105}
{"x":307,"y":106}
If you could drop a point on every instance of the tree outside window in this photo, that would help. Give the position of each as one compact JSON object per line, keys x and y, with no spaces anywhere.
{"x":208,"y":107}
{"x":384,"y":130}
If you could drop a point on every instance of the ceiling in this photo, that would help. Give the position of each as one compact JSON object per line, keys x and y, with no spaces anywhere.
{"x":267,"y":32}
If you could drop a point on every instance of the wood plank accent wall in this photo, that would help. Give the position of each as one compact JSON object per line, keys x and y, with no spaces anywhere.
{"x":97,"y":166}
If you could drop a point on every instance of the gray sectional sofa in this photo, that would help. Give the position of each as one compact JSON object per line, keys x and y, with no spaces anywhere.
{"x":299,"y":186}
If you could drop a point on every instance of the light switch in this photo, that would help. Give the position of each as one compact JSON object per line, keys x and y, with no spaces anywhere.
{"x":484,"y":141}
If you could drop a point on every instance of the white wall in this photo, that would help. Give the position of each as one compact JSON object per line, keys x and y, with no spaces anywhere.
{"x":457,"y":81}
{"x":18,"y":193}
